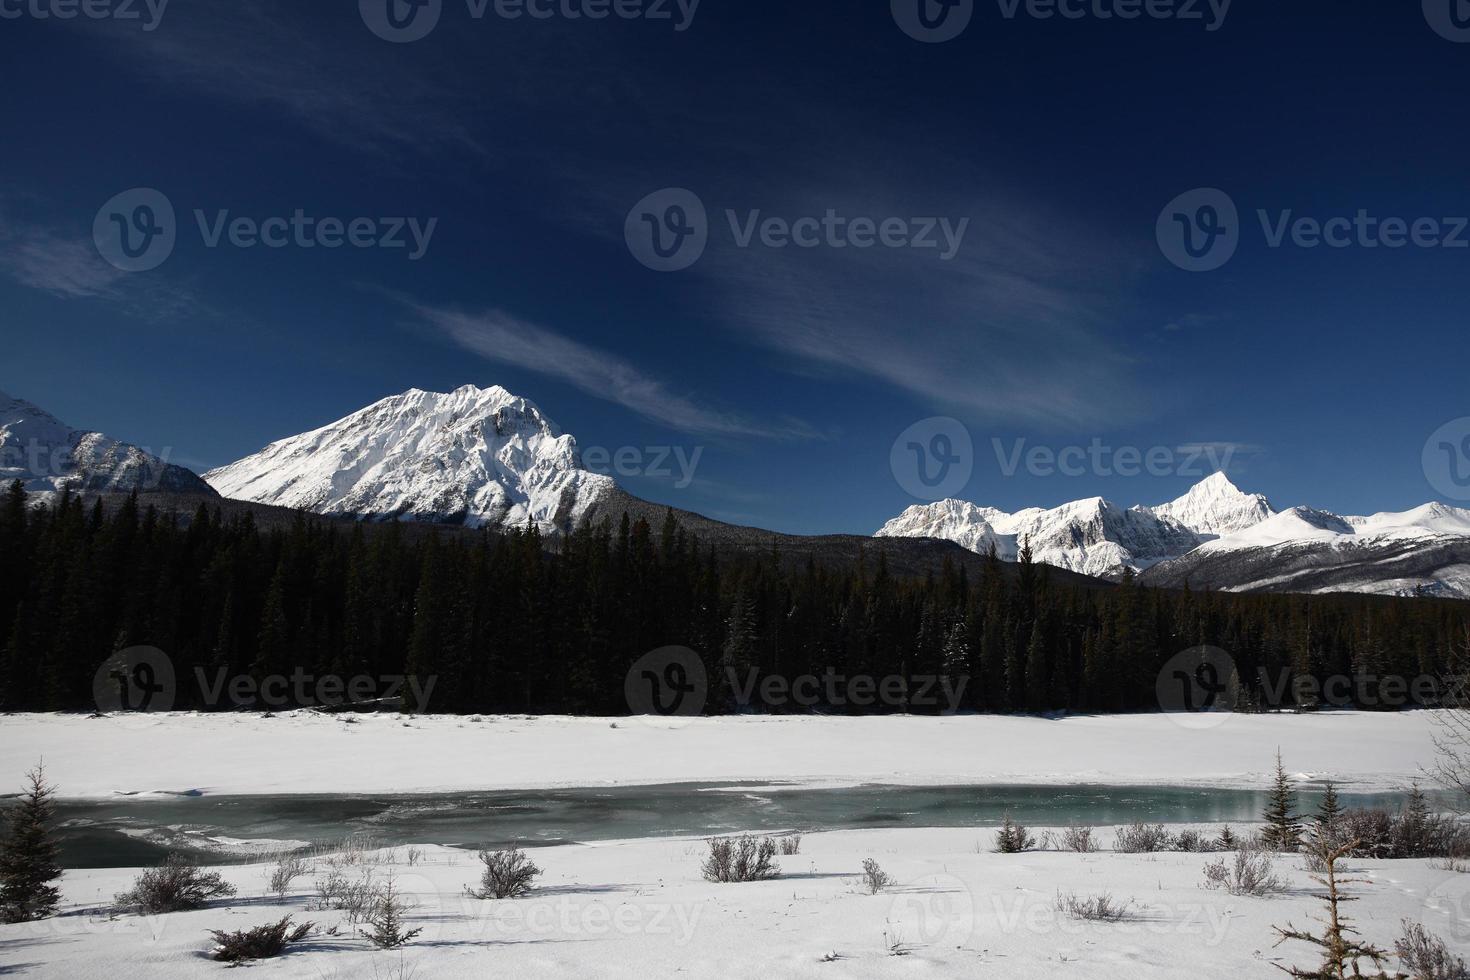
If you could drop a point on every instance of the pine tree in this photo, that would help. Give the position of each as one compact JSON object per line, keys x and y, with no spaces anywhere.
{"x":1283,"y":830}
{"x":1340,"y":951}
{"x":28,"y":856}
{"x":1329,"y":815}
{"x":1227,"y":841}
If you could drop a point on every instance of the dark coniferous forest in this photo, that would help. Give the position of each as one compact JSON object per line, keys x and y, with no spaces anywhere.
{"x":517,"y":623}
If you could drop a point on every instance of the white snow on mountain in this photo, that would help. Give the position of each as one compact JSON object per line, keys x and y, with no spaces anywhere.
{"x":1092,"y":536}
{"x":477,"y":456}
{"x":1215,"y":507}
{"x":47,"y":455}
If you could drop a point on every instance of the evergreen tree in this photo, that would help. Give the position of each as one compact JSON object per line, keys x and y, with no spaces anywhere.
{"x":1283,"y":830}
{"x":28,"y":855}
{"x":1340,"y":950}
{"x":1329,"y":816}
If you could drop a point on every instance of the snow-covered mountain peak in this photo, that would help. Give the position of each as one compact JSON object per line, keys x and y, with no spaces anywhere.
{"x":479,"y":456}
{"x":1092,"y":535}
{"x":48,"y":455}
{"x":1215,"y":507}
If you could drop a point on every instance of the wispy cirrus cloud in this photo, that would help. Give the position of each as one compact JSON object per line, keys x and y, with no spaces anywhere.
{"x":65,"y":267}
{"x":497,"y":336}
{"x":324,"y":71}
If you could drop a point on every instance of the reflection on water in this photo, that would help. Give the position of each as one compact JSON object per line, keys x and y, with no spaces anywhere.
{"x":129,"y":833}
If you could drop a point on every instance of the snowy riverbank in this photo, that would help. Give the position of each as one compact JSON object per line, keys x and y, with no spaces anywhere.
{"x":640,"y":909}
{"x":304,"y":752}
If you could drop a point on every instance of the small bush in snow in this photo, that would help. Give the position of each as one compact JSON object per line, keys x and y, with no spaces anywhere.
{"x":1078,"y":839}
{"x":356,"y":898}
{"x":1426,"y":956}
{"x":285,"y":871}
{"x":173,"y":886}
{"x":875,"y":879}
{"x":1142,"y":838}
{"x":508,"y":874}
{"x":1192,"y":842}
{"x":1013,"y":838}
{"x":1095,"y":908}
{"x":260,"y":943}
{"x":789,"y":845}
{"x":1249,"y":874}
{"x":746,"y":858}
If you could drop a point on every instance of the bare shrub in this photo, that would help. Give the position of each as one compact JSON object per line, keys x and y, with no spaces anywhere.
{"x":260,"y":943}
{"x":356,"y":898}
{"x":789,"y":845}
{"x":173,"y":886}
{"x":508,"y":874}
{"x":386,"y":920}
{"x":1192,"y":842}
{"x":875,"y":879}
{"x":1013,"y":838}
{"x":1095,"y":908}
{"x":1079,"y":839}
{"x":415,"y":856}
{"x":1141,"y":838}
{"x":745,"y":858}
{"x":1251,"y":873}
{"x":286,"y":870}
{"x":1426,"y":956}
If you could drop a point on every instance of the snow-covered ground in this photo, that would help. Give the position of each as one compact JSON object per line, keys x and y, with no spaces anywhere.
{"x":640,"y":909}
{"x":304,"y":752}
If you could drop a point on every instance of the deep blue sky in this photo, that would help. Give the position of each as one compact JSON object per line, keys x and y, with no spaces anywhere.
{"x":1060,"y":320}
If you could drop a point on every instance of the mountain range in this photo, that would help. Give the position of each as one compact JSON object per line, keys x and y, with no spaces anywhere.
{"x":1217,"y":536}
{"x":485,"y":458}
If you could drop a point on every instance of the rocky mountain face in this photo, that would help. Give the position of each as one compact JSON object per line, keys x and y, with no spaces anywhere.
{"x":481,"y":457}
{"x":47,"y":455}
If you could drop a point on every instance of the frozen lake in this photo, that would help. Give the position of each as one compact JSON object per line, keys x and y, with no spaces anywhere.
{"x":133,"y":832}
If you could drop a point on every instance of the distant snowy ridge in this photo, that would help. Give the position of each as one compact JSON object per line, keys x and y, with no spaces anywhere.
{"x":1092,"y":536}
{"x":47,"y":455}
{"x":1217,"y":536}
{"x":473,"y":456}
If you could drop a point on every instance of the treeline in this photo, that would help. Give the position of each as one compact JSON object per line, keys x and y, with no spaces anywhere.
{"x":516,"y":623}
